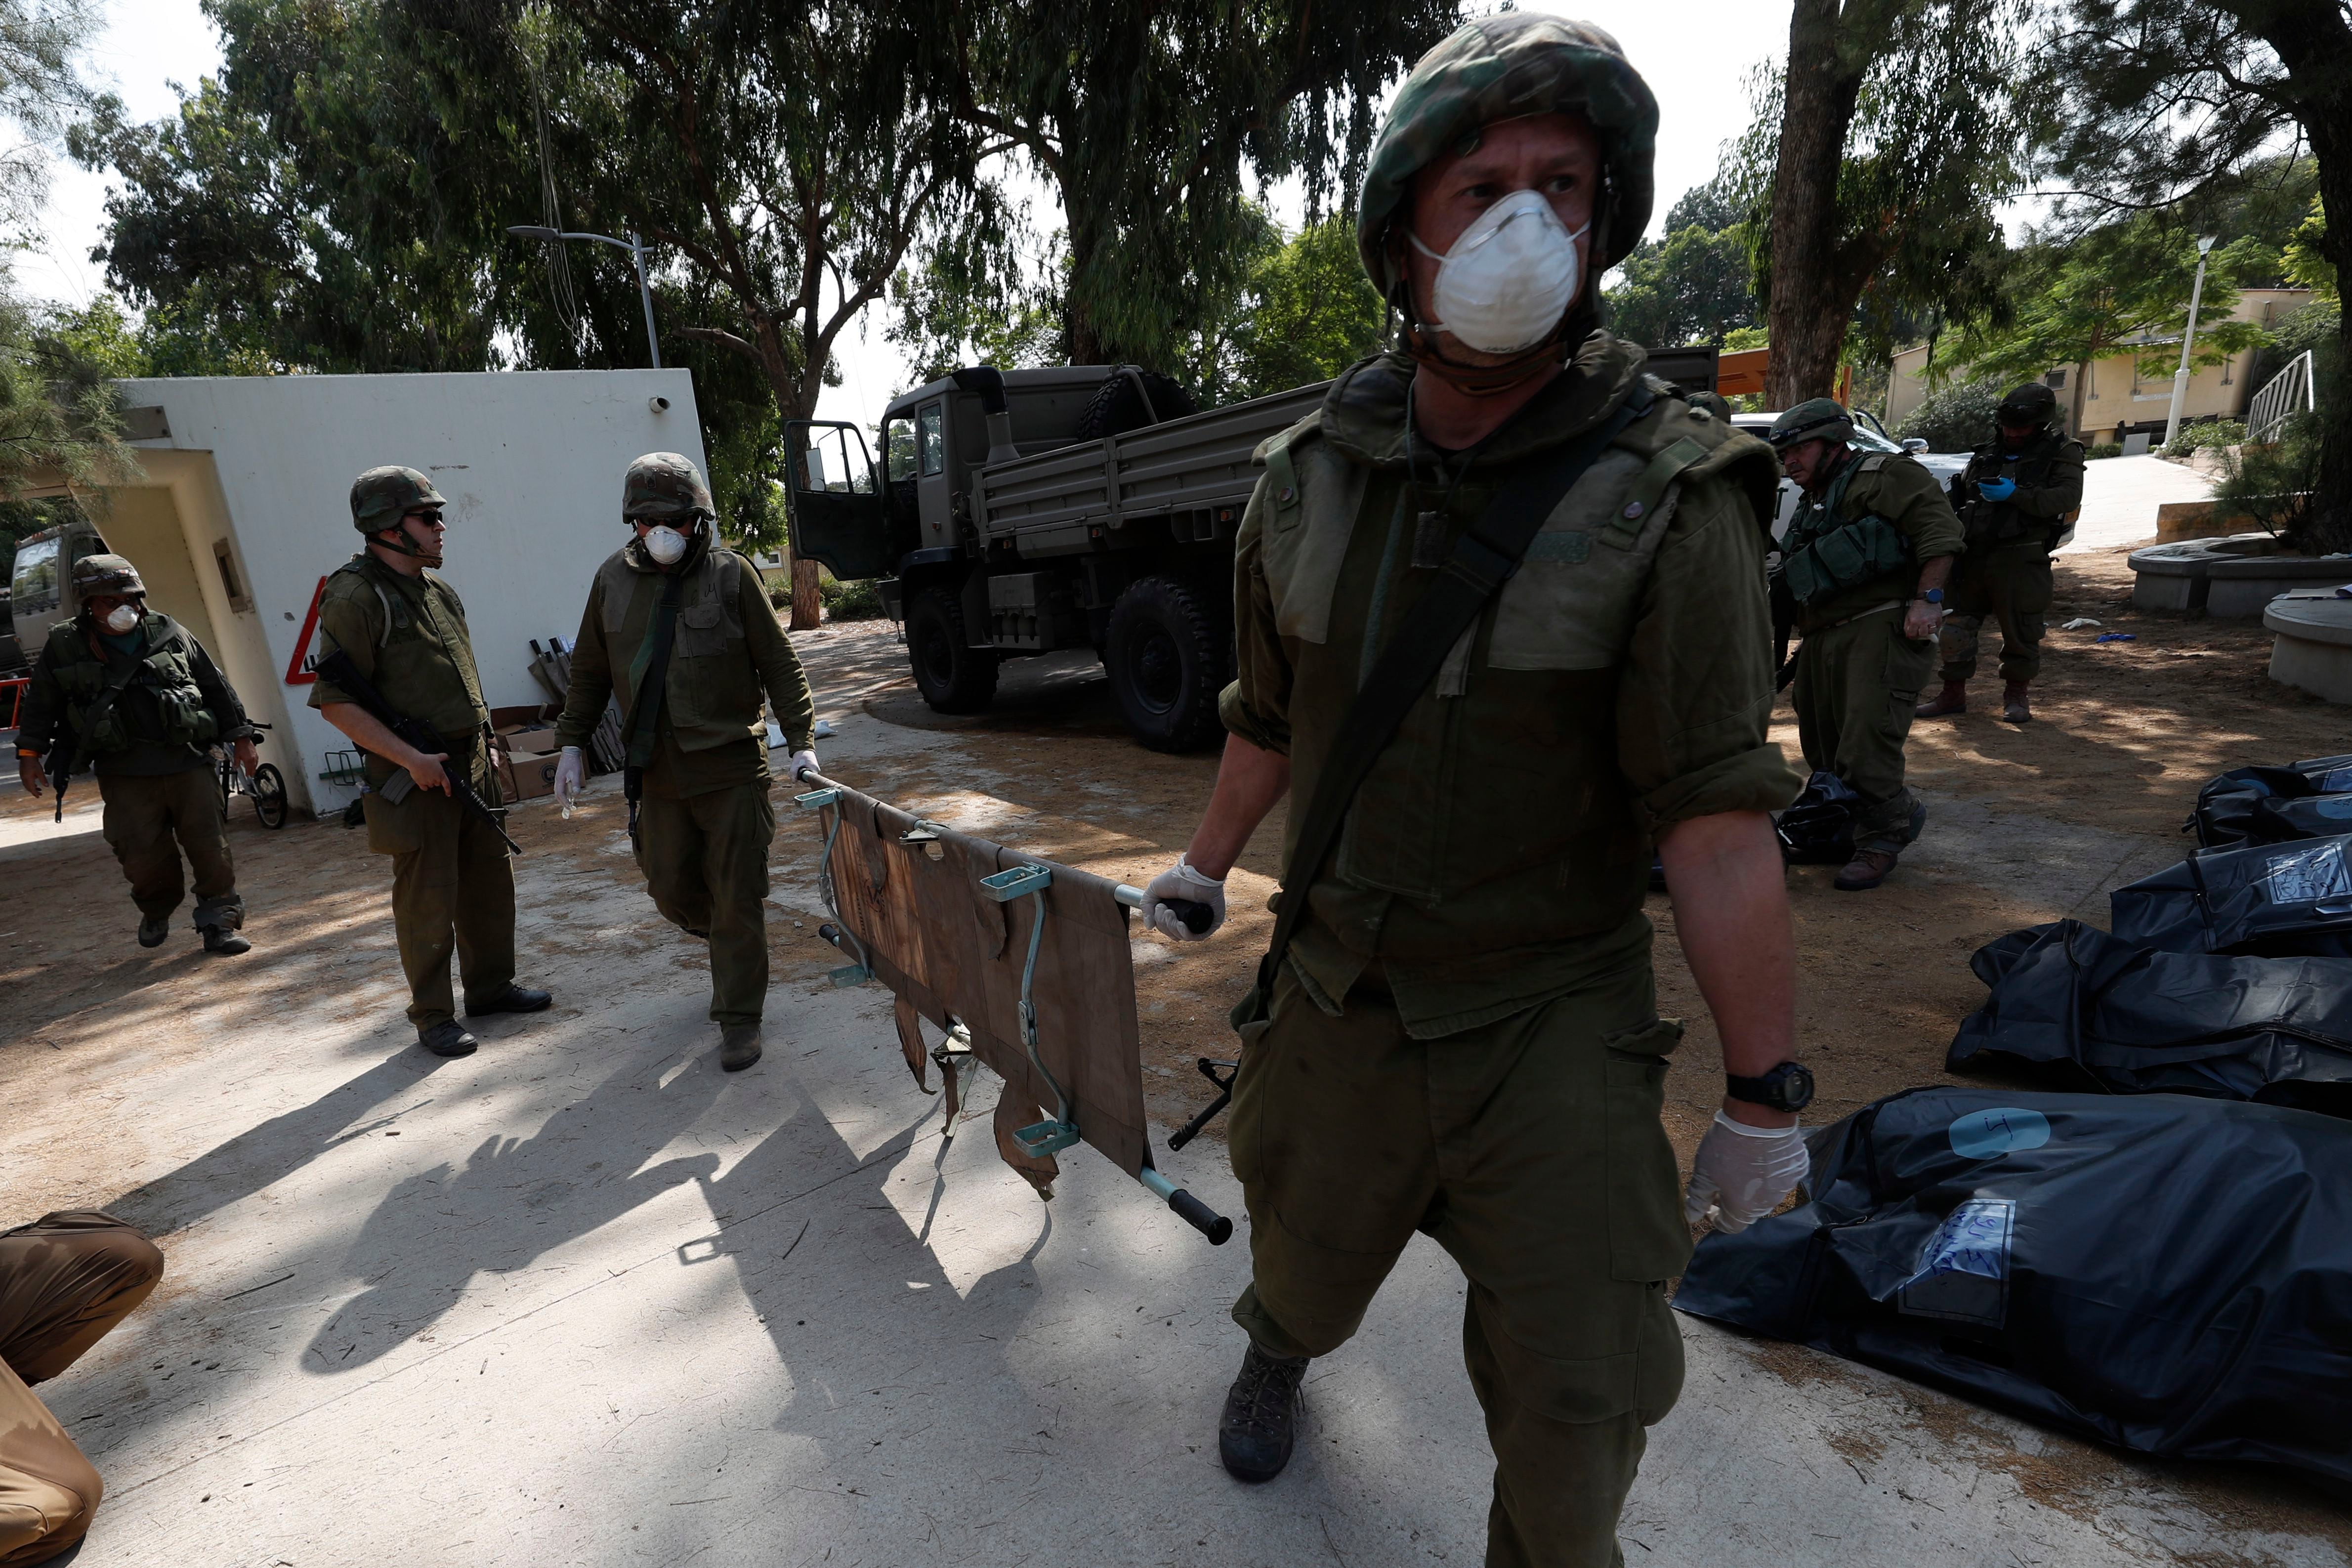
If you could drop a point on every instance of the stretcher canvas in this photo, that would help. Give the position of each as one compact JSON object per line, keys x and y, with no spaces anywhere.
{"x":915,"y":908}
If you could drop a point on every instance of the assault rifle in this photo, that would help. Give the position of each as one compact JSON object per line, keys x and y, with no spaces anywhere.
{"x":336,"y":669}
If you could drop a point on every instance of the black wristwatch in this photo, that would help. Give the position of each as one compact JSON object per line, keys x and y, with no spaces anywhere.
{"x":1788,"y":1087}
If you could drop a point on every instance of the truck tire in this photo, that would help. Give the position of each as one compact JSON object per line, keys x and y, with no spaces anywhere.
{"x":952,"y":677}
{"x":1167,"y":653}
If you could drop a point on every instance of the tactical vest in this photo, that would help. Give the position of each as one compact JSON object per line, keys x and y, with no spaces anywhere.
{"x":165,"y":672}
{"x":1498,"y":814}
{"x":1821,"y":554}
{"x":713,"y":693}
{"x":424,"y":655}
{"x":1995,"y":523}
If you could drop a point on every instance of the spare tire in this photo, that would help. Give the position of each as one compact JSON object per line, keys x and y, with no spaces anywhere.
{"x":1119,"y":407}
{"x":1168,"y":653}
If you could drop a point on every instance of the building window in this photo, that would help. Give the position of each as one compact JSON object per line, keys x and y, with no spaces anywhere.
{"x":2056,"y":381}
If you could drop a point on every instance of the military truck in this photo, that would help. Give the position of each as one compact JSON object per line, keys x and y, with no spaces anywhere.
{"x":40,"y":588}
{"x":1032,"y":511}
{"x":1029,"y":512}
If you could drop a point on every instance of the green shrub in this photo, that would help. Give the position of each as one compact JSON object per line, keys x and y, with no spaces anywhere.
{"x":860,"y":601}
{"x":2273,"y":483}
{"x":2103,"y":449}
{"x":2212,"y":435}
{"x":1956,"y":418}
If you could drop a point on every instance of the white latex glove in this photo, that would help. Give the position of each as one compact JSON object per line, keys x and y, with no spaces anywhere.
{"x":801,"y":760}
{"x":1180,"y":882}
{"x":571,"y":776}
{"x":1743,"y":1173}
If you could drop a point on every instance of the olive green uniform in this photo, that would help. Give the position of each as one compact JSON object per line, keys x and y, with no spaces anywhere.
{"x":452,"y":888}
{"x":705,"y":822}
{"x":149,"y":750}
{"x":1464,"y":1039}
{"x":2006,"y":572}
{"x":1858,"y":676}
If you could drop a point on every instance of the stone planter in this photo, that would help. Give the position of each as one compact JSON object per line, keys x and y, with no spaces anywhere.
{"x":2313,"y":648}
{"x":2239,"y":590}
{"x":2175,"y":577}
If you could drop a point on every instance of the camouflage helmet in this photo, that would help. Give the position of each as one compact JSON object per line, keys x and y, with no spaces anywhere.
{"x":1503,"y":67}
{"x":106,"y":574}
{"x":665,"y":485}
{"x":382,"y":497}
{"x":2032,"y":404}
{"x":1824,"y":417}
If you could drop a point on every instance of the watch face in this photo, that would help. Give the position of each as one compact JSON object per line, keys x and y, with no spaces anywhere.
{"x":1796,"y":1085}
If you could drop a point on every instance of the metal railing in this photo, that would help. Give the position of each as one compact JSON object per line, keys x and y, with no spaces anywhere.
{"x":2291,"y":392}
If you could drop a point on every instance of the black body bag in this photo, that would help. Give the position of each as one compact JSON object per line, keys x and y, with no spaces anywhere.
{"x":2167,"y":1275}
{"x":1817,"y":828}
{"x":2309,"y":799}
{"x":2085,"y":1010}
{"x":2277,"y":901}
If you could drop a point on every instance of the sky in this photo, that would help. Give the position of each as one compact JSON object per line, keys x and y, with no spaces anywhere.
{"x":1697,"y":54}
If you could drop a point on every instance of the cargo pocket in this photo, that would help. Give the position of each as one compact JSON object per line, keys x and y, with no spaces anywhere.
{"x":1648,"y":1240}
{"x":396,"y":829}
{"x":700,"y":634}
{"x":1909,"y":662}
{"x":1253,"y":1018}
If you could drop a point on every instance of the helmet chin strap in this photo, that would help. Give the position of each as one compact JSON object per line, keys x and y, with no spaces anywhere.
{"x":403,"y":544}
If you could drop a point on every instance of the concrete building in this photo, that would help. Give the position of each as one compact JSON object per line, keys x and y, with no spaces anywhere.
{"x":243,"y":507}
{"x":2117,"y":399}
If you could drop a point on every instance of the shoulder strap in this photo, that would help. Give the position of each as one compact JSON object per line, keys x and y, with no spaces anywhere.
{"x":1487,"y":556}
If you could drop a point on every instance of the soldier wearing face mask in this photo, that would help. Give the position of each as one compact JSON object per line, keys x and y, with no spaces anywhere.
{"x":1456,"y":1033}
{"x":679,"y":627}
{"x":137,"y":695}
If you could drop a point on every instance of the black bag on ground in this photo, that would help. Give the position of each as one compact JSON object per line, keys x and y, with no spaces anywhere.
{"x":1817,"y":829}
{"x":2309,"y":799}
{"x":2085,"y":1010}
{"x":2167,"y":1275}
{"x":2274,"y":899}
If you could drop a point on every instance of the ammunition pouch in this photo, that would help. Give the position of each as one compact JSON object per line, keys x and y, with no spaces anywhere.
{"x":1858,"y":552}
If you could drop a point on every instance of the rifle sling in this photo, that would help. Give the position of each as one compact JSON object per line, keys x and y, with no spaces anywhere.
{"x":1487,"y":556}
{"x":644,"y":713}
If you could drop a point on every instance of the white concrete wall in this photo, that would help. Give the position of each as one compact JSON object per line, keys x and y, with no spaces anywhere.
{"x":531,"y":464}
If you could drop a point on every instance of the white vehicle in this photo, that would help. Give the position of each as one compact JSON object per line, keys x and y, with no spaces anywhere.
{"x":1869,"y":436}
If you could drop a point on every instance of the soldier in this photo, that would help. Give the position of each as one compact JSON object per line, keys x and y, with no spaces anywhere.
{"x":1457,"y":1030}
{"x":406,"y":631}
{"x":2016,"y":494}
{"x":1864,"y":562}
{"x":65,"y":1280}
{"x":687,"y":620}
{"x":139,"y":697}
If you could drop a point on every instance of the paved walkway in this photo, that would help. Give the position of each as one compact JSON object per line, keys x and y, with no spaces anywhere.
{"x":2120,"y":496}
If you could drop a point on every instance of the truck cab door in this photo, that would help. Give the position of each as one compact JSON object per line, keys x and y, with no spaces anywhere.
{"x":832,"y":507}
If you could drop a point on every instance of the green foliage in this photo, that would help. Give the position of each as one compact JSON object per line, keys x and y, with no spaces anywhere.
{"x":858,"y":601}
{"x":1305,"y":314}
{"x":1690,"y":287}
{"x":2123,"y":288}
{"x":2206,"y":435}
{"x":2276,"y":483}
{"x":2306,"y":264}
{"x":2098,"y":449}
{"x":1955,"y":419}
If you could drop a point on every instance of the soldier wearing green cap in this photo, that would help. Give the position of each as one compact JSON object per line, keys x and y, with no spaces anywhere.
{"x":134,"y":693}
{"x":2015,"y":497}
{"x":452,"y":889}
{"x":1864,"y":560}
{"x":679,"y":627}
{"x":1461,"y":1035}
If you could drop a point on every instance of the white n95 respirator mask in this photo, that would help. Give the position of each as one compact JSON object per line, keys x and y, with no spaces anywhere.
{"x":1509,"y":278}
{"x":121,"y":620}
{"x":665,"y":544}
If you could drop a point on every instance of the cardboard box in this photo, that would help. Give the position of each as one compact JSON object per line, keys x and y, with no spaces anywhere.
{"x":537,"y":739}
{"x":527,"y":775}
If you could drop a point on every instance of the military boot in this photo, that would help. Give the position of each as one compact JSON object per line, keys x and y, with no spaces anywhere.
{"x":1953,"y":699}
{"x":739,"y":1046}
{"x":153,"y":928}
{"x":2013,"y":706}
{"x":448,"y":1038}
{"x":225,"y":941}
{"x":513,"y":999}
{"x":1261,"y":1419}
{"x":1864,"y":871}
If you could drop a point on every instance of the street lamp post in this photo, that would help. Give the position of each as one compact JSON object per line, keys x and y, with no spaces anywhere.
{"x":637,"y":251}
{"x":2188,"y":343}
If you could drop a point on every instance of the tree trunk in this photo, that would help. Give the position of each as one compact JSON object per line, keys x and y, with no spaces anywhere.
{"x":1808,"y":312}
{"x":2314,"y":40}
{"x":805,"y":601}
{"x":2081,"y":390}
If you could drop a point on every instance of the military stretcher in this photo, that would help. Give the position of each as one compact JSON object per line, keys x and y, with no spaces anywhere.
{"x":1021,"y":964}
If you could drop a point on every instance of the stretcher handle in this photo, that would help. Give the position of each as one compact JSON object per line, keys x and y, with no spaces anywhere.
{"x":1192,"y":1129}
{"x":1190,"y":1209}
{"x":1197,"y":917}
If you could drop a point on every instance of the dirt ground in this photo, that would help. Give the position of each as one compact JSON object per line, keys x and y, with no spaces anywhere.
{"x":2124,"y":735}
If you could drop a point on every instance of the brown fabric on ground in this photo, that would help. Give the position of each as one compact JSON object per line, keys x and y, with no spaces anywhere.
{"x":65,"y":1280}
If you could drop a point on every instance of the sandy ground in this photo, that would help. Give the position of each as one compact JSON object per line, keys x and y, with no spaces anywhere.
{"x":500,"y":1338}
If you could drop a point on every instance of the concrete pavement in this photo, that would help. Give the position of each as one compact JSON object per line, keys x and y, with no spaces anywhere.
{"x":2120,"y":496}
